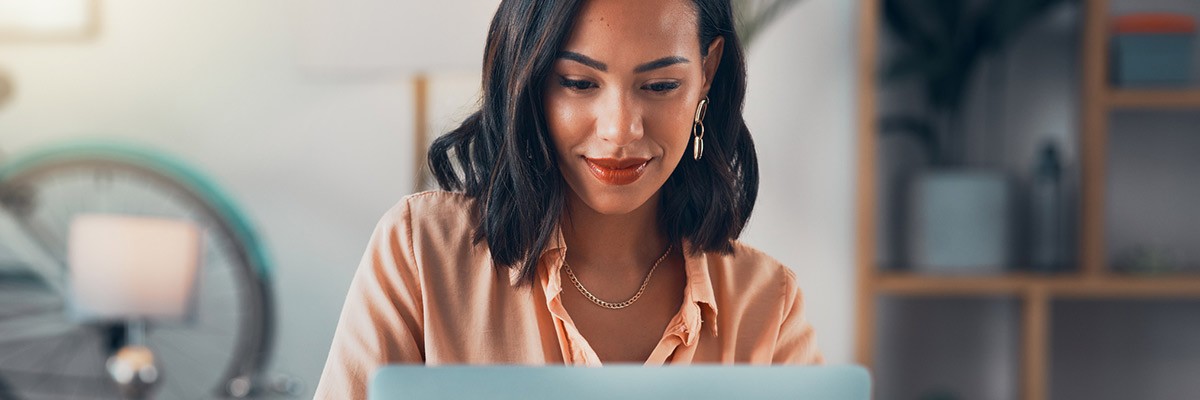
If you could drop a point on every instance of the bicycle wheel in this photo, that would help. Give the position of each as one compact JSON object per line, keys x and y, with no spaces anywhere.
{"x":220,"y":352}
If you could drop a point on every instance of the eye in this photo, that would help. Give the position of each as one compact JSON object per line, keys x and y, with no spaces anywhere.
{"x":661,"y":87}
{"x":576,"y":84}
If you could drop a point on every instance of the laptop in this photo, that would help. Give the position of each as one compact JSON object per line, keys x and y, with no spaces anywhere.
{"x":621,"y":382}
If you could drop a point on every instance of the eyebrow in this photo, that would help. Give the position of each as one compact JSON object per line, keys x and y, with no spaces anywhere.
{"x":660,"y":63}
{"x":602,"y":67}
{"x":585,"y":60}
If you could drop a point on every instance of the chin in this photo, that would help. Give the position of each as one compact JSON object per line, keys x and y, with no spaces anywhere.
{"x":615,"y":203}
{"x":614,"y":200}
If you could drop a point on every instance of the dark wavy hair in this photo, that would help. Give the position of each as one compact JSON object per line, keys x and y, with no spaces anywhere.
{"x":502,"y":155}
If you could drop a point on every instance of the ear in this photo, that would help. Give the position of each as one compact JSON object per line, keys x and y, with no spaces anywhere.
{"x":712,"y":60}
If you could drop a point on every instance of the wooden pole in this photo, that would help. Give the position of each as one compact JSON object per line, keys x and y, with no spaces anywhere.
{"x":865,"y":203}
{"x":1035,"y":345}
{"x":1093,"y":139}
{"x":420,"y":130}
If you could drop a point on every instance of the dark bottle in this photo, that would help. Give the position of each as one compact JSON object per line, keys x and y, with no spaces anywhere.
{"x":1048,"y":246}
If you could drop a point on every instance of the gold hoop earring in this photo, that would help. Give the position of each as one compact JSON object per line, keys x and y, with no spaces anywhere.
{"x":698,"y":129}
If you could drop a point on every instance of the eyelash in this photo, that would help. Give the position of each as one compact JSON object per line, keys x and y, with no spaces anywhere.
{"x":582,"y":85}
{"x":662,"y":87}
{"x":576,"y":84}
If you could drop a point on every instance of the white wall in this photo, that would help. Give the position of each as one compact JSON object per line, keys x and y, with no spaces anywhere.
{"x":800,"y":108}
{"x":314,"y":159}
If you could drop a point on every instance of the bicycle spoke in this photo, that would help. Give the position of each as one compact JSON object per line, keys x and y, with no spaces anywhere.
{"x":56,"y":354}
{"x":90,"y":341}
{"x":192,"y":361}
{"x":34,"y":327}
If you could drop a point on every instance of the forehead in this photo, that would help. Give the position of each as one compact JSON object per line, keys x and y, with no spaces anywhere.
{"x":634,"y":31}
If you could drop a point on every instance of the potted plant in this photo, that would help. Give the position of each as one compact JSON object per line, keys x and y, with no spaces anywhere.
{"x":959,"y":218}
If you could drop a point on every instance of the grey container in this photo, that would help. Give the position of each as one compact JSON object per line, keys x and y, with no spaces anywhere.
{"x":961,"y":222}
{"x":1153,"y":59}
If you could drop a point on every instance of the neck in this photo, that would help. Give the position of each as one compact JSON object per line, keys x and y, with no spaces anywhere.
{"x":623,"y":246}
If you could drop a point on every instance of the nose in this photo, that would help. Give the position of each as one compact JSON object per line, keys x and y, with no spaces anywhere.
{"x":620,"y":120}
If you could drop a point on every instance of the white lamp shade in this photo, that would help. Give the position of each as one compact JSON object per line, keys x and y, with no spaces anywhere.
{"x":124,"y":267}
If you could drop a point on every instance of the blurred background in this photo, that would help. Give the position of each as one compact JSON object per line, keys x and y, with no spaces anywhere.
{"x":982,"y":199}
{"x":1027,"y":173}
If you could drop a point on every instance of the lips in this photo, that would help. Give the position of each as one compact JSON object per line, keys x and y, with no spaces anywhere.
{"x":614,"y":171}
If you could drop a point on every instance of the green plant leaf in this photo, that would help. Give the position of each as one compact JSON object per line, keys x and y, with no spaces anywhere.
{"x":920,"y":129}
{"x":942,"y":42}
{"x":905,"y":66}
{"x":949,"y":16}
{"x":906,"y":25}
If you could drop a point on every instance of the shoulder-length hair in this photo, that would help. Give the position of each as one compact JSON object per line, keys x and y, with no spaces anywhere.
{"x":502,"y":154}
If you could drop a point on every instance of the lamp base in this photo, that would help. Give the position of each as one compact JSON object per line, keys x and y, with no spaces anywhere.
{"x":134,"y":371}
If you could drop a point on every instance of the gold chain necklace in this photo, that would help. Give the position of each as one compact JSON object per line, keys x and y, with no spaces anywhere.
{"x":610,"y":305}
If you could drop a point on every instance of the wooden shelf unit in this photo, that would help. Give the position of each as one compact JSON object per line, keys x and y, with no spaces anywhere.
{"x":1093,"y":280}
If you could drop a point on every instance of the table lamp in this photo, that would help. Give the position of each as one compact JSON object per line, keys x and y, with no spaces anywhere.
{"x":133,"y":270}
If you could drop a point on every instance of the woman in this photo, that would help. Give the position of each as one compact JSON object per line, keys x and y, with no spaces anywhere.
{"x":593,"y":208}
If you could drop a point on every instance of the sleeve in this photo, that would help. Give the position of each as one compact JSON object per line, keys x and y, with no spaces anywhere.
{"x":382,"y":319}
{"x":797,"y":343}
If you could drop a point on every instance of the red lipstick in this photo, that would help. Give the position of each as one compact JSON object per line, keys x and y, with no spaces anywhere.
{"x":617,"y":171}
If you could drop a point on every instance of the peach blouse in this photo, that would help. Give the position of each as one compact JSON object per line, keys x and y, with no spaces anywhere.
{"x":424,"y":293}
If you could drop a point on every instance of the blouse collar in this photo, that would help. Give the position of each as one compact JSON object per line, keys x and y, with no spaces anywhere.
{"x":698,"y":292}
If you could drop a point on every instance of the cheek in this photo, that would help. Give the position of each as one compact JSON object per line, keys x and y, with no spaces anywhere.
{"x":671,"y":125}
{"x":565,"y":120}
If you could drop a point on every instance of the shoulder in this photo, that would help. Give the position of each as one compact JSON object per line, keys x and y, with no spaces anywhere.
{"x":750,"y":264}
{"x":438,"y":203}
{"x":751,"y":273}
{"x":433,"y":222}
{"x":434,"y":208}
{"x":439,"y":228}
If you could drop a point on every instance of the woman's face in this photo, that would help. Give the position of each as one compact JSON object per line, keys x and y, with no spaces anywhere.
{"x":621,"y":98}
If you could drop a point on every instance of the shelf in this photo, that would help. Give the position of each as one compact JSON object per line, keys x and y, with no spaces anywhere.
{"x":1154,"y":98}
{"x":898,"y":283}
{"x":1060,"y":286}
{"x":1182,"y":286}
